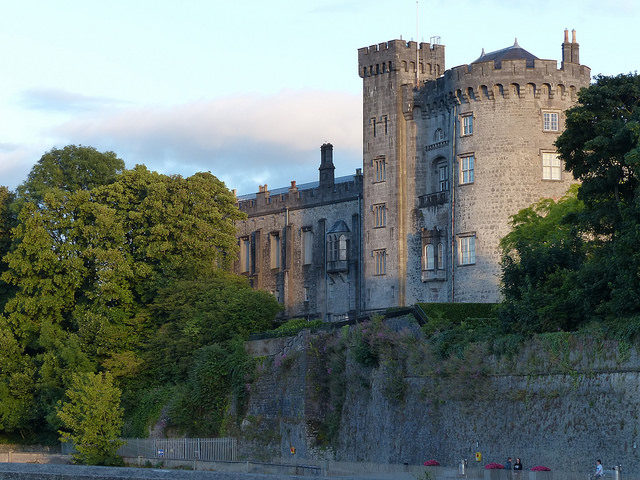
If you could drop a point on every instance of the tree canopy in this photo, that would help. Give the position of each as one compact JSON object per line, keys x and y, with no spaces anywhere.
{"x":577,"y":260}
{"x":102,"y":265}
{"x":71,"y":168}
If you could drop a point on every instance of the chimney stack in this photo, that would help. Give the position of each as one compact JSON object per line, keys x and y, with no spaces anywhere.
{"x":327,"y":170}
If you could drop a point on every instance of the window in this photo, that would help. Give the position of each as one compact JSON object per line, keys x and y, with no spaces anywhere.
{"x":306,"y":294}
{"x":380,"y":257}
{"x":467,"y":125}
{"x":438,"y":135}
{"x":466,"y":169}
{"x":307,"y":246}
{"x":440,"y":258}
{"x":551,"y":166}
{"x":467,"y":250}
{"x":443,"y":177}
{"x":274,"y":240}
{"x":380,"y":215}
{"x":550,"y":121}
{"x":342,"y":247}
{"x":245,"y":255}
{"x":429,"y":260}
{"x":380,"y":167}
{"x":386,"y":124}
{"x":372,"y":122}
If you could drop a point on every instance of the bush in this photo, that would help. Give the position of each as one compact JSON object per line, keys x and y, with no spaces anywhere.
{"x":293,"y":326}
{"x":494,"y":466}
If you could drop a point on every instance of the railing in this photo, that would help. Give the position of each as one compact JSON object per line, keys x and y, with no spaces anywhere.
{"x":206,"y":449}
{"x":433,"y":199}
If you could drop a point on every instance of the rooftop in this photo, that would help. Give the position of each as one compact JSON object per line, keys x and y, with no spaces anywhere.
{"x":514,"y":52}
{"x":303,"y":186}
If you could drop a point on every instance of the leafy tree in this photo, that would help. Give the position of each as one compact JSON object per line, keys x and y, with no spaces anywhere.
{"x":194,"y":313}
{"x":7,"y":222}
{"x":92,"y":418}
{"x":540,"y":260}
{"x":601,"y":146}
{"x":86,"y":265}
{"x":70,"y":169}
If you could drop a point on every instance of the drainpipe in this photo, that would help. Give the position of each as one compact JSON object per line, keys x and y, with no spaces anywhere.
{"x":453,"y":171}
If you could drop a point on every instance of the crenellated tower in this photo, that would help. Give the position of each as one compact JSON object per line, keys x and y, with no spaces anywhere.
{"x":386,"y":69}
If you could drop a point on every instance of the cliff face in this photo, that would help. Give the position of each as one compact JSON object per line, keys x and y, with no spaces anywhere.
{"x":378,"y":395}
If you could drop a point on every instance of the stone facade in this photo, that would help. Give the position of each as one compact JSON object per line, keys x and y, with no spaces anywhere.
{"x":448,"y":157}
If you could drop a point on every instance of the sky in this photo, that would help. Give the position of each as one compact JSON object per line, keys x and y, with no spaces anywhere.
{"x":248,"y":90}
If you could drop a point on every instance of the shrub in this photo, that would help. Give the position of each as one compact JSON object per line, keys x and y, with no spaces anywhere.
{"x":540,"y":468}
{"x":431,"y":463}
{"x":494,"y":466}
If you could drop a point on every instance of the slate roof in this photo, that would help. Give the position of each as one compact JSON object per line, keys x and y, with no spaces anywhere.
{"x":303,"y":186}
{"x":514,"y":52}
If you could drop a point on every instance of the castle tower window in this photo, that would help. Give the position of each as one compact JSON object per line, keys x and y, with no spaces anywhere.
{"x":380,"y":258}
{"x":380,"y":167}
{"x":245,"y":255}
{"x":274,"y":250}
{"x":440,"y":257}
{"x":372,"y":122}
{"x":342,"y":247}
{"x":443,"y":177}
{"x":467,"y":250}
{"x":467,"y":125}
{"x":438,"y":135}
{"x":551,"y":166}
{"x":429,"y":259}
{"x":380,"y":215}
{"x":550,"y":121}
{"x":307,"y":246}
{"x":467,"y":165}
{"x":385,"y":119}
{"x":306,"y":294}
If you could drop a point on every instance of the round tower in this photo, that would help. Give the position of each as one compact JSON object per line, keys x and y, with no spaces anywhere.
{"x":485,"y":133}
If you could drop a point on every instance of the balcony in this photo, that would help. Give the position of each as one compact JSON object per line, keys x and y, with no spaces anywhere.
{"x":434,"y":275}
{"x":337,"y":266}
{"x":434,"y":199}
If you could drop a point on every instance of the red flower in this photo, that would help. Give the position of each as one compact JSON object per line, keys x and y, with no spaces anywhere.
{"x":540,"y":468}
{"x":431,"y":463}
{"x":494,"y":466}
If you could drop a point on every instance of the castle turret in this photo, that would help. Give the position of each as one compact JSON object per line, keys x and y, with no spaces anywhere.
{"x":327,"y":170}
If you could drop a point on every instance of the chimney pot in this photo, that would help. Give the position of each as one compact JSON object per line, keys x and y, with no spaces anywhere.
{"x":566,"y":35}
{"x":573,"y":36}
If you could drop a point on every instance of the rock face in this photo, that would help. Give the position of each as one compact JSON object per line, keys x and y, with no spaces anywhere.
{"x":373,"y":395}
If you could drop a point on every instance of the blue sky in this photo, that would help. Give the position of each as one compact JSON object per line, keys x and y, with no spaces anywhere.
{"x":248,"y":90}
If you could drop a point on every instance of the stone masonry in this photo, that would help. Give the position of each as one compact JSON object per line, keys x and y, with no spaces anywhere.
{"x":448,"y":157}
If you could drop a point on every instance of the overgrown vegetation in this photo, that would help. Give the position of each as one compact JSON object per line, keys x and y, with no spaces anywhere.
{"x":125,"y":272}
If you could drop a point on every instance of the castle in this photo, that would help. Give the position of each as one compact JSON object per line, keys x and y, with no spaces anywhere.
{"x":448,"y":157}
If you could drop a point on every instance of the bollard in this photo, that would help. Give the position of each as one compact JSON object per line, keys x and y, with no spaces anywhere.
{"x":462,"y":469}
{"x":617,"y":472}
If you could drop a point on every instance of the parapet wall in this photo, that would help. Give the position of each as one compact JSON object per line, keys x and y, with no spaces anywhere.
{"x":398,"y":55}
{"x":514,"y":80}
{"x":265,"y":203}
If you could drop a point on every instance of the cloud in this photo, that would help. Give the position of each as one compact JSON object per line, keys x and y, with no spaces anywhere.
{"x":15,"y":163}
{"x":56,"y":100}
{"x":245,"y":140}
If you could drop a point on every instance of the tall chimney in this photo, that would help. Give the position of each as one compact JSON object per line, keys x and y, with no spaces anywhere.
{"x":327,"y":170}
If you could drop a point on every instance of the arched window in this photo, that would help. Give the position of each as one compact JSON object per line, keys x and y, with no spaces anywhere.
{"x":429,"y":260}
{"x":342,"y":245}
{"x":438,"y":135}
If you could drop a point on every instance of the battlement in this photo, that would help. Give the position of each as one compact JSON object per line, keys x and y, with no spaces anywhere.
{"x":399,"y":56}
{"x":301,"y":196}
{"x":511,"y":79}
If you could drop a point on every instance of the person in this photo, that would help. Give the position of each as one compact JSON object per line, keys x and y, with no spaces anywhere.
{"x":507,"y":464}
{"x":599,"y":470}
{"x":517,"y":465}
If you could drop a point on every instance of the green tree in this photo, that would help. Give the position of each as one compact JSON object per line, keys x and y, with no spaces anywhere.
{"x":191,"y":314}
{"x":7,"y":222}
{"x":85,"y":266}
{"x":70,"y":169}
{"x":92,"y":418}
{"x":540,"y":260}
